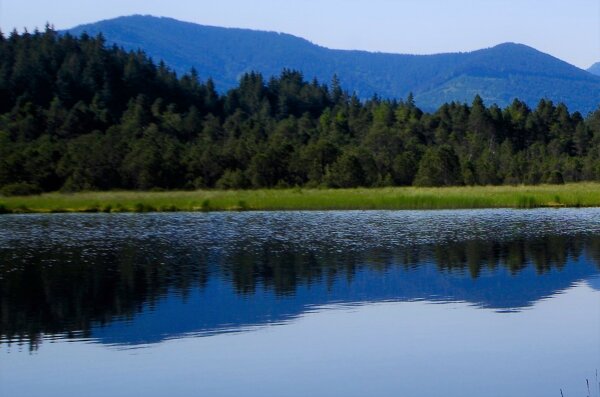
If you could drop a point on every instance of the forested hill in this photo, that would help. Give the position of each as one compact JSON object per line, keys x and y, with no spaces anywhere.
{"x":75,"y":114}
{"x":497,"y":74}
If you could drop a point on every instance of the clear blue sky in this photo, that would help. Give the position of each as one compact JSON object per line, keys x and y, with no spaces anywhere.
{"x":568,"y":29}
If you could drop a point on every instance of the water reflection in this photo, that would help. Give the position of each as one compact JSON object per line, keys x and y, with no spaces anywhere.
{"x":139,"y":279}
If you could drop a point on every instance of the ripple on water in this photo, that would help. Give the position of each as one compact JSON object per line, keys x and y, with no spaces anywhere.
{"x":344,"y":230}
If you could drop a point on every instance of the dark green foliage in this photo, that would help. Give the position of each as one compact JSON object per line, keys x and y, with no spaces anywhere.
{"x":439,"y":167}
{"x":20,"y":189}
{"x":555,"y":178}
{"x":76,"y":115}
{"x":232,"y":179}
{"x":347,"y":171}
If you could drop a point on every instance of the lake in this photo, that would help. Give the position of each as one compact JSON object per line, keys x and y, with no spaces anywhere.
{"x":356,"y":303}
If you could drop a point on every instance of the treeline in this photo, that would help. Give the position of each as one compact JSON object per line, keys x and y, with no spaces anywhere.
{"x":76,"y":114}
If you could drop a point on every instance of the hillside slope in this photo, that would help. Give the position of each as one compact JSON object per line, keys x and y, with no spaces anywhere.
{"x":595,"y":69}
{"x":498,"y":74}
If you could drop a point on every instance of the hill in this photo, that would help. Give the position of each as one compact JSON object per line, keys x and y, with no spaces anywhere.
{"x":595,"y":69}
{"x":497,"y":74}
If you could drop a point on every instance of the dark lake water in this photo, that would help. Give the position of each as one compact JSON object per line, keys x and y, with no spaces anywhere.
{"x":378,"y":303}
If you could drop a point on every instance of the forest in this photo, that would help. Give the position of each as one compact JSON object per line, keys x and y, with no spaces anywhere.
{"x":77,"y":114}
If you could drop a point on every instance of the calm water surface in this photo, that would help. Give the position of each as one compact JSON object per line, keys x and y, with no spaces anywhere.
{"x":378,"y":303}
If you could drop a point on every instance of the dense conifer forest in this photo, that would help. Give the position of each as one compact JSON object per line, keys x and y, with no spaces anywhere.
{"x":76,"y":114}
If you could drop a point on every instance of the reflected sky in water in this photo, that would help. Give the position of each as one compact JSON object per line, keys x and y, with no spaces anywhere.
{"x":383,"y":303}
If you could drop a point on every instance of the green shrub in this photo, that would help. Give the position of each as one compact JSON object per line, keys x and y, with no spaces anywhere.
{"x":20,"y":189}
{"x":232,"y":180}
{"x":555,"y":178}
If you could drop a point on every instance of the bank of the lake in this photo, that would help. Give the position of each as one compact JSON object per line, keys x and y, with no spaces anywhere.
{"x":392,"y":198}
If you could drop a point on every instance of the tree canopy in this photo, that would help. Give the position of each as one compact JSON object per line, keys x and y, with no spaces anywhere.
{"x":76,"y":114}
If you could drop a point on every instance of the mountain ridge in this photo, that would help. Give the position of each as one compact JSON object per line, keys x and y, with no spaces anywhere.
{"x":498,"y":74}
{"x":595,"y":69}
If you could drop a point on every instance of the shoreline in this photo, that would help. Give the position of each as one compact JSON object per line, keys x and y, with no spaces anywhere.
{"x":388,"y":198}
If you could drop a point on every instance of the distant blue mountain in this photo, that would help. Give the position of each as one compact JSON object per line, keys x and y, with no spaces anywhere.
{"x":595,"y":69}
{"x":497,"y":74}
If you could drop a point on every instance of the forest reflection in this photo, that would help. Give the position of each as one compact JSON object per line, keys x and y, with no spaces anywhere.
{"x":74,"y":288}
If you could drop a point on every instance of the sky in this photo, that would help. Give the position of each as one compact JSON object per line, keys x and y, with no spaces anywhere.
{"x":567,"y":29}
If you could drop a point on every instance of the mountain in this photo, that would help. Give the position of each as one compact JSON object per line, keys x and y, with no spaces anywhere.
{"x":595,"y":69}
{"x":497,"y":74}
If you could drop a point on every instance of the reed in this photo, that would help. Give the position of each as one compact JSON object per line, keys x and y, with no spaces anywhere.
{"x":392,"y":198}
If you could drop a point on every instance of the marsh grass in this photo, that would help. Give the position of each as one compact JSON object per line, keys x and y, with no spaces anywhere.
{"x":569,"y":195}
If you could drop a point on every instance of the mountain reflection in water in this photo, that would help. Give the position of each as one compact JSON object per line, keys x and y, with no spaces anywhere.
{"x":131,"y":279}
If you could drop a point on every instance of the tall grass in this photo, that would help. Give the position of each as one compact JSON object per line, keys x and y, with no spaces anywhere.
{"x":570,"y":195}
{"x":589,"y":392}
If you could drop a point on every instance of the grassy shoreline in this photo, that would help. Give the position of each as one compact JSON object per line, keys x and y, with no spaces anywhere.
{"x":399,"y":198}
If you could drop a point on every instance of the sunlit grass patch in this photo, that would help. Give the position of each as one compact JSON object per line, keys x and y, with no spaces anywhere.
{"x":392,"y":198}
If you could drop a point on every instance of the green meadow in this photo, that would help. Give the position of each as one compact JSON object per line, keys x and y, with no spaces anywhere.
{"x":393,"y":198}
